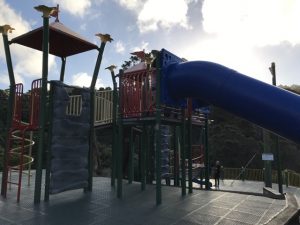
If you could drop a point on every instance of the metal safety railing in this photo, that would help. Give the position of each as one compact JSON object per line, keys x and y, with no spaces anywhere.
{"x":75,"y":105}
{"x":290,"y":178}
{"x":103,"y":106}
{"x":138,"y":93}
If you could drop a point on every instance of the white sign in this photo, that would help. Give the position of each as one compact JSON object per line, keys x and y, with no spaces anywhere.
{"x":267,"y":157}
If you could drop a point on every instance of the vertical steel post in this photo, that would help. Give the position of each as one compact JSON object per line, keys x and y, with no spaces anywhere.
{"x":206,"y":158}
{"x":143,"y":158}
{"x":8,"y":59}
{"x":119,"y":159}
{"x":182,"y":152}
{"x":157,"y":130}
{"x":176,"y":156}
{"x":97,"y":66}
{"x":114,"y":125}
{"x":147,"y":156}
{"x":11,"y":100}
{"x":62,"y":69}
{"x":267,"y":164}
{"x":131,"y":157}
{"x":91,"y":141}
{"x":190,"y":162}
{"x":43,"y":110}
{"x":92,"y":112}
{"x":277,"y":150}
{"x":48,"y":151}
{"x":92,"y":119}
{"x":151,"y":155}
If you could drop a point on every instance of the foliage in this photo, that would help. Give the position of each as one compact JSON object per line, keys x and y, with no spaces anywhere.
{"x":133,"y":60}
{"x":234,"y":141}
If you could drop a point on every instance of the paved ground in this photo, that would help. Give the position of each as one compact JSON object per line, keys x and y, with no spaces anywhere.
{"x":137,"y":207}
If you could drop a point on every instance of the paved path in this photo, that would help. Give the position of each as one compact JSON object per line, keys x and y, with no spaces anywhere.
{"x":137,"y":207}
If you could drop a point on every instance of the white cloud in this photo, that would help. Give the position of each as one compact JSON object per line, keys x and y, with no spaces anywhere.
{"x":82,"y":79}
{"x":83,"y":26}
{"x":134,"y":5}
{"x":143,"y":46}
{"x":4,"y":80}
{"x":31,"y":65}
{"x":98,"y":2}
{"x":155,"y":14}
{"x":27,"y":62}
{"x":9,"y":16}
{"x":254,"y":22}
{"x":77,"y":8}
{"x":165,"y":14}
{"x":235,"y":31}
{"x":119,"y":46}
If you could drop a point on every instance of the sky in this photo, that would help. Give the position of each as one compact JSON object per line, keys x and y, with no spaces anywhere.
{"x":245,"y":35}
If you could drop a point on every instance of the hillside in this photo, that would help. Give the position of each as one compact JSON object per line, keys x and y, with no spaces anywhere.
{"x":232,"y":140}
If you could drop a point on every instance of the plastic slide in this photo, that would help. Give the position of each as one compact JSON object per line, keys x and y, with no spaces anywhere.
{"x":270,"y":107}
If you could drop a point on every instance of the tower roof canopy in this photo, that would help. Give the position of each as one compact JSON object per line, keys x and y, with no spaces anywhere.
{"x":63,"y":42}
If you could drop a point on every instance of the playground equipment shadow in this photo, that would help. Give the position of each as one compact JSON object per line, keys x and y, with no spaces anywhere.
{"x":138,"y":207}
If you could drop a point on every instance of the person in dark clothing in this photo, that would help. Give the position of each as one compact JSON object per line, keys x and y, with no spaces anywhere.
{"x":217,"y":174}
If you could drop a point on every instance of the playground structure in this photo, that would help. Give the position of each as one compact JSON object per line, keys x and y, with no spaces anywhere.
{"x":46,"y":116}
{"x":152,"y":114}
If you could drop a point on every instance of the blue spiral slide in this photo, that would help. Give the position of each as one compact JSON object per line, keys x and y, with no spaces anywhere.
{"x":270,"y":107}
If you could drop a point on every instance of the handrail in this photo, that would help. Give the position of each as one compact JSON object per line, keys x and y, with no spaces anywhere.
{"x":103,"y":106}
{"x":291,"y":178}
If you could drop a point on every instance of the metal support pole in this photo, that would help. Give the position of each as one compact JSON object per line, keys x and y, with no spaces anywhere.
{"x":182,"y":152}
{"x":114,"y":125}
{"x":97,"y":66}
{"x":151,"y":155}
{"x":157,"y":135}
{"x":42,"y":116}
{"x":176,"y":156}
{"x":206,"y":153}
{"x":8,"y":59}
{"x":277,"y":150}
{"x":62,"y":69}
{"x":11,"y":100}
{"x":119,"y":159}
{"x":48,"y":151}
{"x":91,"y":141}
{"x":131,"y":157}
{"x":190,"y":162}
{"x":148,"y":155}
{"x":267,"y":164}
{"x":143,"y":158}
{"x":92,"y":116}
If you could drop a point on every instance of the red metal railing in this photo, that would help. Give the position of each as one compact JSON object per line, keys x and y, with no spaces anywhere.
{"x":35,"y":97}
{"x":16,"y":141}
{"x":17,"y":108}
{"x":138,"y":95}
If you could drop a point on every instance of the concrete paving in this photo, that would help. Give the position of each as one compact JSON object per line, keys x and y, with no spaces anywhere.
{"x":138,"y":207}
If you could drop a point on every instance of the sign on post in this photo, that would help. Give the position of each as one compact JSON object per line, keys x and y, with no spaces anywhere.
{"x":267,"y":157}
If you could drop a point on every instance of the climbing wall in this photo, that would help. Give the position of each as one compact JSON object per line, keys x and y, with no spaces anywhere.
{"x":69,"y":140}
{"x":165,"y":151}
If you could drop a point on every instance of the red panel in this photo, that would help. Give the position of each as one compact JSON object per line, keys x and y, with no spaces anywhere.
{"x":17,"y":109}
{"x":138,"y":97}
{"x":35,"y":98}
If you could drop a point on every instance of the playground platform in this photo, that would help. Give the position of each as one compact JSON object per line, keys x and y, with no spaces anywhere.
{"x":138,"y":207}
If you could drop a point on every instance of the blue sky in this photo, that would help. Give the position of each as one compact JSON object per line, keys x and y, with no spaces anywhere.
{"x":245,"y":35}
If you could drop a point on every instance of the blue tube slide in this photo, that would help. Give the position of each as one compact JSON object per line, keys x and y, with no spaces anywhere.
{"x":270,"y":107}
